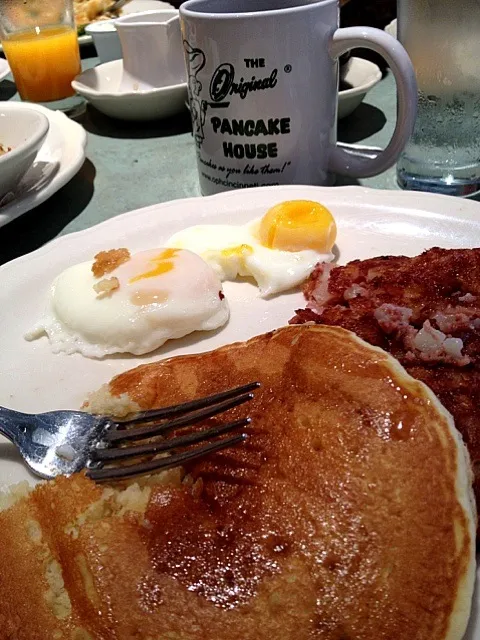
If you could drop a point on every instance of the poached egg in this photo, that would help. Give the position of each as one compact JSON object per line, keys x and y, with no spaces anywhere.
{"x":151,"y":297}
{"x":278,"y":250}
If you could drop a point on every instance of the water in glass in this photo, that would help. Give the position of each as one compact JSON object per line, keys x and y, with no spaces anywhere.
{"x":441,"y":37}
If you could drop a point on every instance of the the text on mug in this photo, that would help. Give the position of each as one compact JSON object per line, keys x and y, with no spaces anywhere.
{"x":240,"y":137}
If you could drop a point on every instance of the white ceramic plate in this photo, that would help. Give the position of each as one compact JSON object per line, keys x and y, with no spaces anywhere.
{"x":59,"y":158}
{"x":370,"y":222}
{"x":362,"y":75}
{"x":4,"y":69}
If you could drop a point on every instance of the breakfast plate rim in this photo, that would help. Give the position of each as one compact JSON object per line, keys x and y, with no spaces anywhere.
{"x":74,"y":138}
{"x":421,"y":203}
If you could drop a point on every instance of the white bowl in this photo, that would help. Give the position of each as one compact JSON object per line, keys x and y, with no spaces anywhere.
{"x":100,"y":86}
{"x":23,"y":130}
{"x":362,"y":75}
{"x":106,"y":40}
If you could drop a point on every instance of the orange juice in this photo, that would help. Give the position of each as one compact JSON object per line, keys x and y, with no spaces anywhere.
{"x":44,"y":61}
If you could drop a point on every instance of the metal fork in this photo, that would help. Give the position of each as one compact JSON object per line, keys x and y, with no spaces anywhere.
{"x":64,"y":442}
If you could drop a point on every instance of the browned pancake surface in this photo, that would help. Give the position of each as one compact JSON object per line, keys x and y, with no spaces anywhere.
{"x":335,"y":520}
{"x":445,"y":281}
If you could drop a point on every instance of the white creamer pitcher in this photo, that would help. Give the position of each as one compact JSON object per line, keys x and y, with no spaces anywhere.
{"x":152,"y":50}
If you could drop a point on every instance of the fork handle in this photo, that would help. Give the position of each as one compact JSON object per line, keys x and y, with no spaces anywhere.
{"x":14,"y":425}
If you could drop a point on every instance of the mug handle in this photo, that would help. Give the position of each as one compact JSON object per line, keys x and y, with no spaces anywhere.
{"x":349,"y":160}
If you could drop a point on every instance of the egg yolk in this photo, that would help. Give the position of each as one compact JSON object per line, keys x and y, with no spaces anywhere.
{"x":162,"y":263}
{"x":297,"y":225}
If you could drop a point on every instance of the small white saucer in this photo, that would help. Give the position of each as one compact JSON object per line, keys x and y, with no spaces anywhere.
{"x":100,"y":86}
{"x":362,"y":75}
{"x":58,"y":160}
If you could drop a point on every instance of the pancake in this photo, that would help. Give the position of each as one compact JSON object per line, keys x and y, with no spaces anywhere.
{"x":397,"y":303}
{"x":347,"y":514}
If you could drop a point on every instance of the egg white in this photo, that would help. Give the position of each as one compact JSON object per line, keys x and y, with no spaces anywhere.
{"x":77,"y":319}
{"x":273,"y":270}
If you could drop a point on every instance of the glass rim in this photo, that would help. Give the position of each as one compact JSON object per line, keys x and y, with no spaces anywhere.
{"x":18,"y":16}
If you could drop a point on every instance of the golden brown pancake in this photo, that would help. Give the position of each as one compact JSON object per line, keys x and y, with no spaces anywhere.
{"x":389,"y":300}
{"x":346,"y":515}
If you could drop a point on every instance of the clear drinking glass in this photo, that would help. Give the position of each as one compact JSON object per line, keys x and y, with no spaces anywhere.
{"x":442,"y":38}
{"x":40,"y":41}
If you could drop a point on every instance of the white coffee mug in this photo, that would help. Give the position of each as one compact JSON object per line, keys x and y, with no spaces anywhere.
{"x":263,"y":90}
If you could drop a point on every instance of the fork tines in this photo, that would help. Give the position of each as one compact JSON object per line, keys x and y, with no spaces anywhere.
{"x":179,"y":409}
{"x":186,"y":414}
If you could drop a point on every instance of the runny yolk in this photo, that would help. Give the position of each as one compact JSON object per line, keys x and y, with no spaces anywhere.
{"x":161,"y":264}
{"x":297,"y":225}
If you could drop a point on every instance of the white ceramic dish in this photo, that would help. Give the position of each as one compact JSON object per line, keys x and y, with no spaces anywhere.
{"x":362,"y":75}
{"x":4,"y":69}
{"x":23,"y":131}
{"x":106,"y":40}
{"x":100,"y":86}
{"x":59,"y":158}
{"x":370,"y":222}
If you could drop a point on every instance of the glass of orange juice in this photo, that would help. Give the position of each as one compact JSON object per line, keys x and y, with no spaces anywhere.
{"x":40,"y":42}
